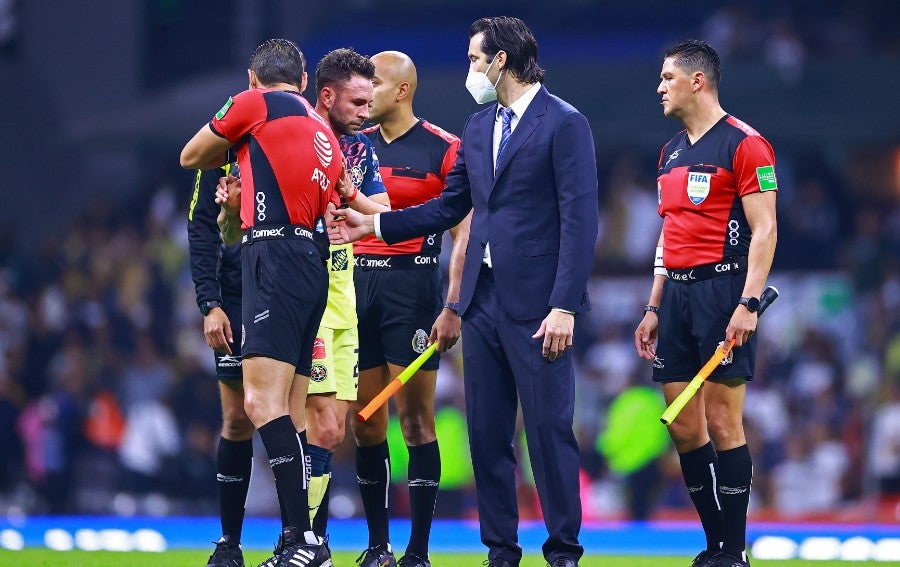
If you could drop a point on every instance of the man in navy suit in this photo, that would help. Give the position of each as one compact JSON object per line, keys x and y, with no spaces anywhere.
{"x":527,"y":168}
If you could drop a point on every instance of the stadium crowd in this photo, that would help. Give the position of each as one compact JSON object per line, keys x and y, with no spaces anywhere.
{"x":108,"y":385}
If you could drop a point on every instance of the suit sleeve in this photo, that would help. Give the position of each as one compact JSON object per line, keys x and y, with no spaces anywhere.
{"x":439,"y":214}
{"x":203,"y":236}
{"x":575,"y":167}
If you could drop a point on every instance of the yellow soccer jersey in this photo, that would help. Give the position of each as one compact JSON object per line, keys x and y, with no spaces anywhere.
{"x":340,"y":312}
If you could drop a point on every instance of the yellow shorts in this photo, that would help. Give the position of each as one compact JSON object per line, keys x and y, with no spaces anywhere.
{"x":335,"y":363}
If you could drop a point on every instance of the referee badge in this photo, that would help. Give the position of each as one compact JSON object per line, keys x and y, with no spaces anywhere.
{"x":698,"y":186}
{"x":420,"y":341}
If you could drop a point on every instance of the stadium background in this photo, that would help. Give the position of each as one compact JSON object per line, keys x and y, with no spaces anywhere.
{"x":107,"y":401}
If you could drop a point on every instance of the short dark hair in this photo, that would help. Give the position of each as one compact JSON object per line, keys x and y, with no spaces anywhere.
{"x":697,"y":55}
{"x":340,"y":65}
{"x":278,"y":61}
{"x":505,"y":33}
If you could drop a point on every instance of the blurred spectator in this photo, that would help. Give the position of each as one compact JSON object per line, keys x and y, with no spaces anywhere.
{"x":633,"y":442}
{"x":884,"y":444}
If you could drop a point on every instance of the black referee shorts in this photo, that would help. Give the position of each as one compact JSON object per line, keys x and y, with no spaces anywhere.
{"x":692,"y":321}
{"x":228,"y":366}
{"x":396,"y":310}
{"x":285,"y":288}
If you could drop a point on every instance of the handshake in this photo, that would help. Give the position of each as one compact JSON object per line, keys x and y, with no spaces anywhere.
{"x":346,"y":225}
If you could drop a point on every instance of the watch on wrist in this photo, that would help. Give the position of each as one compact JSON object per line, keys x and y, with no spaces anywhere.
{"x":751,"y":303}
{"x":207,"y":306}
{"x":452,"y":306}
{"x":652,"y":308}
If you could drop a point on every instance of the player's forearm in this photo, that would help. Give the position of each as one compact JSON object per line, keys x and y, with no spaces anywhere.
{"x":460,"y":234}
{"x":759,"y":258}
{"x":229,"y":222}
{"x":368,"y":206}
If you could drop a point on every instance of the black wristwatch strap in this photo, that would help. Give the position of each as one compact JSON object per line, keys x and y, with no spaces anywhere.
{"x":652,"y":308}
{"x":208,"y":305}
{"x":452,"y":306}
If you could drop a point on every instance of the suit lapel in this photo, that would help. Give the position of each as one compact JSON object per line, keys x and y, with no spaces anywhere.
{"x":485,"y":137}
{"x":524,"y":129}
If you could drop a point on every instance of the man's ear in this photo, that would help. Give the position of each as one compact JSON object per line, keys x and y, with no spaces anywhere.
{"x":303,"y":82}
{"x":253,"y":79}
{"x":402,"y":91}
{"x":501,"y":59}
{"x":697,"y":81}
{"x":327,"y":95}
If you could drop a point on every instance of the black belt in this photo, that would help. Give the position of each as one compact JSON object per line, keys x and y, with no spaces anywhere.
{"x":398,"y":262}
{"x":727,"y":267}
{"x":274,"y":231}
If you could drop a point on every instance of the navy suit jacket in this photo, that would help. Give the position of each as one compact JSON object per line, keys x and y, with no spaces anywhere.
{"x":539,"y":212}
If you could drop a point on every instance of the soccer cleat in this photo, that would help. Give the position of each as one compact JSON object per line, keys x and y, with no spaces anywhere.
{"x":563,"y":561}
{"x":227,"y":554}
{"x":497,"y":562}
{"x":723,"y":559}
{"x":302,"y":549}
{"x":704,"y":559}
{"x":413,"y":560}
{"x":377,"y":556}
{"x":273,"y":561}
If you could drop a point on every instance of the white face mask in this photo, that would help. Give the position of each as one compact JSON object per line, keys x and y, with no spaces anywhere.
{"x":480,"y":87}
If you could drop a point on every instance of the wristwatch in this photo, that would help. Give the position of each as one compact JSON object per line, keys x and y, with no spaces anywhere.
{"x":751,"y":303}
{"x":208,"y":305}
{"x":652,"y":308}
{"x":452,"y":306}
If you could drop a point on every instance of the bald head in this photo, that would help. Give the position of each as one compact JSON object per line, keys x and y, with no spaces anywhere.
{"x":394,"y":68}
{"x":395,"y":84}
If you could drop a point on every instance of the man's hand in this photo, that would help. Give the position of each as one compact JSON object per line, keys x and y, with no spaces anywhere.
{"x":742,"y":325}
{"x":217,"y":330}
{"x":645,"y":336}
{"x":347,"y":225}
{"x":344,"y":186}
{"x":446,"y":330}
{"x":228,"y":194}
{"x":558,"y":330}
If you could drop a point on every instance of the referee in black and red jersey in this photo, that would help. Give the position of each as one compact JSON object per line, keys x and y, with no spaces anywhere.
{"x":290,"y":162}
{"x":717,"y":187}
{"x":401,"y":309}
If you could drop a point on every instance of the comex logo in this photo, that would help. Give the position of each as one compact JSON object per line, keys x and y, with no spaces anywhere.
{"x":323,"y":149}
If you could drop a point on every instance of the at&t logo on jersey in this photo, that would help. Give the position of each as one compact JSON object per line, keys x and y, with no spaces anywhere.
{"x":698,"y":186}
{"x":319,"y":177}
{"x":323,"y":148}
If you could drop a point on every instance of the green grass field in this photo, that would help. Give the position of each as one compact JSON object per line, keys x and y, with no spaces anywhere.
{"x":44,"y":557}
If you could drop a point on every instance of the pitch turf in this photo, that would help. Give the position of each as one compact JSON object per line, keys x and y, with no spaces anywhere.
{"x":45,"y":557}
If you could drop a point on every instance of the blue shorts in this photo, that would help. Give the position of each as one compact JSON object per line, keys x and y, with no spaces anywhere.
{"x":285,"y":288}
{"x":692,"y":321}
{"x":396,"y":310}
{"x":228,"y":366}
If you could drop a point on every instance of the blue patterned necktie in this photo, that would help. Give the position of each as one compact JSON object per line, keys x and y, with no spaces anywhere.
{"x":506,"y":114}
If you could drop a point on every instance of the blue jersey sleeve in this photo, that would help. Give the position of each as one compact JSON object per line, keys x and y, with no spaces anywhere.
{"x":362,"y":164}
